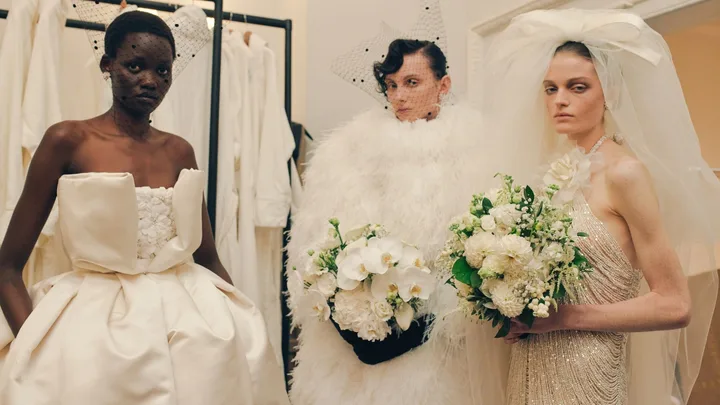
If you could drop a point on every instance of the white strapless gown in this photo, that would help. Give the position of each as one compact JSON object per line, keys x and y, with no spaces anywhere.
{"x":137,"y":322}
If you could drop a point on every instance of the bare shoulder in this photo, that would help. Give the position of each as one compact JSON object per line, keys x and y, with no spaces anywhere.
{"x":179,"y":149}
{"x":66,"y":134}
{"x":626,"y":172}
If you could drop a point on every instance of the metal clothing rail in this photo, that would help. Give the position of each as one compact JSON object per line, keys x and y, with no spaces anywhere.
{"x":218,"y":14}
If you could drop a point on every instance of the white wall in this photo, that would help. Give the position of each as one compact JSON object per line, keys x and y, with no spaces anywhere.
{"x":336,"y":26}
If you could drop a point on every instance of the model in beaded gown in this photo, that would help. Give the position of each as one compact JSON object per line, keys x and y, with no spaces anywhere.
{"x":578,"y":367}
{"x":633,"y":332}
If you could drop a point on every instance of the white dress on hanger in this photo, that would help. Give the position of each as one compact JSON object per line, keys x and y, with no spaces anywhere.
{"x":275,"y":143}
{"x":247,"y":275}
{"x":41,"y":108}
{"x":137,"y":321}
{"x":15,"y":53}
{"x":226,"y":226}
{"x":41,"y":104}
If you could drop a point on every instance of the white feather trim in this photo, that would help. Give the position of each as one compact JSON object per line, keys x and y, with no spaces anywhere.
{"x":413,"y":178}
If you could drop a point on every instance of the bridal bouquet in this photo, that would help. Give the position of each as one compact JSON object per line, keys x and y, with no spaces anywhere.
{"x":366,"y":280}
{"x":514,"y":254}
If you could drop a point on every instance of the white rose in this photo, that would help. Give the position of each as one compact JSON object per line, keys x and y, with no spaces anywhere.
{"x":374,"y":330}
{"x":569,"y":173}
{"x":327,"y":284}
{"x":488,"y":223}
{"x":383,"y":310}
{"x":506,"y":215}
{"x":553,"y":251}
{"x":479,"y":246}
{"x":561,"y":173}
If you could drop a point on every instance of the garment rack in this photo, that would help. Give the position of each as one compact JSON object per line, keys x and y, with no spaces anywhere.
{"x":218,"y":14}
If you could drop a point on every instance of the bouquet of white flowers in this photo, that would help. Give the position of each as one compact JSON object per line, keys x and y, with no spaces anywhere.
{"x":368,"y":281}
{"x":514,"y":254}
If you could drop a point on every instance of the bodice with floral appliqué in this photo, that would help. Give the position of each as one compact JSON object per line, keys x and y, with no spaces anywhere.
{"x":156,"y":220}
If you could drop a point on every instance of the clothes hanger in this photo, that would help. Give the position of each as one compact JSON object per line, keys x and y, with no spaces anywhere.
{"x":248,"y":33}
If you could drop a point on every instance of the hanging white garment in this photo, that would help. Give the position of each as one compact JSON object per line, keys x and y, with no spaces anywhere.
{"x":15,"y":55}
{"x":41,"y":104}
{"x":275,"y":144}
{"x":41,"y":108}
{"x":273,"y":194}
{"x":226,"y":230}
{"x":185,"y":111}
{"x":246,"y":275}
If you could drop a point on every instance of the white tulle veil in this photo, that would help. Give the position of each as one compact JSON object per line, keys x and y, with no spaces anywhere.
{"x":647,"y":107}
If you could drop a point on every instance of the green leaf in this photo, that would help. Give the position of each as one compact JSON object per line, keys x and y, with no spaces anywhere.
{"x":496,"y":320}
{"x":487,"y":205}
{"x":529,"y":194}
{"x":561,"y":292}
{"x":475,"y":280}
{"x":505,"y":329}
{"x":462,"y":271}
{"x":527,"y":317}
{"x":582,"y":234}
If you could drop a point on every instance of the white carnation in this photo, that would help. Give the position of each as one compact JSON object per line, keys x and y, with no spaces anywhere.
{"x":496,"y":264}
{"x":478,"y":246}
{"x":518,"y":249}
{"x":352,"y":310}
{"x":506,"y":301}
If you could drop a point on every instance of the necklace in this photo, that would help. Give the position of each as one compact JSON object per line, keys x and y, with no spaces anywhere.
{"x":598,"y":144}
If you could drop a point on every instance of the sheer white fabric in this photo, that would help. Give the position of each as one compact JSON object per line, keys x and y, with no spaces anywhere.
{"x":647,"y":107}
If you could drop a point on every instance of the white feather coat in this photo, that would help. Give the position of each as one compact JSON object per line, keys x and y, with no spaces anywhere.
{"x":413,"y":178}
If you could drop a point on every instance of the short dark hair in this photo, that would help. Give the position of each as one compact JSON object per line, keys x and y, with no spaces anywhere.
{"x":135,"y":22}
{"x":397,"y":51}
{"x":578,"y":48}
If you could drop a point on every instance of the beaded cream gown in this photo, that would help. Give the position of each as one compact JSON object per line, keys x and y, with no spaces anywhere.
{"x":136,"y":321}
{"x":575,"y":367}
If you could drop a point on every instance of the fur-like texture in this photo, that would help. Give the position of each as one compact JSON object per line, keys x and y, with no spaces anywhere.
{"x":413,"y":178}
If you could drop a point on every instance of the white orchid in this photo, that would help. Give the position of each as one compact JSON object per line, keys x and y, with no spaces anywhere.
{"x":327,"y":284}
{"x":414,"y":282}
{"x":411,"y":256}
{"x":357,"y":265}
{"x":404,"y":316}
{"x":317,"y":303}
{"x":391,"y":249}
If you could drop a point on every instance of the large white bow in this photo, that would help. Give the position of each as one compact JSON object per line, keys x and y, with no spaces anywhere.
{"x":601,"y":29}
